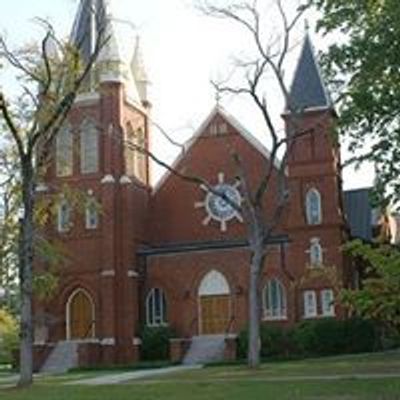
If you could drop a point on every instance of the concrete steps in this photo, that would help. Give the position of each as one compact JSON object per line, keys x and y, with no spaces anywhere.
{"x":205,"y":349}
{"x":63,"y":357}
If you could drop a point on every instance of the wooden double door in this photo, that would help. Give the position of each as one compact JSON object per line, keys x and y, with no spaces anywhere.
{"x":81,"y":317}
{"x":215,"y":312}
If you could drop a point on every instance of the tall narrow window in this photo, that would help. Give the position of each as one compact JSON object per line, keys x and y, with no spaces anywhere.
{"x":64,"y":216}
{"x":64,"y":152}
{"x":310,"y":304}
{"x":313,"y":207}
{"x":140,"y":159}
{"x":89,"y":148}
{"x":156,"y":308}
{"x":135,"y":157}
{"x":130,"y":151}
{"x":327,"y":303}
{"x":274,"y":300}
{"x":316,"y":256}
{"x":91,"y":214}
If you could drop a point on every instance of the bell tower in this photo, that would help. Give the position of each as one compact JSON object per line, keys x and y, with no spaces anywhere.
{"x":102,"y":154}
{"x":315,"y":220}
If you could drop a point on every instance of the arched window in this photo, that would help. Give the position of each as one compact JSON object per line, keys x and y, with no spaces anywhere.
{"x":316,"y":255}
{"x":64,"y":152}
{"x":89,"y":148}
{"x":91,"y":214}
{"x":130,"y":152}
{"x":274,"y":300}
{"x":64,"y":216}
{"x":313,"y":207}
{"x":135,"y":156}
{"x":214,"y":284}
{"x":156,"y":308}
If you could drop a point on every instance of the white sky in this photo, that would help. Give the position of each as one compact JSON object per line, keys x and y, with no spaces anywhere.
{"x":183,"y":51}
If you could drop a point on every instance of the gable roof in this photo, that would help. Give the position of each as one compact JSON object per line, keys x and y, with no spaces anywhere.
{"x":217,"y":110}
{"x":308,"y":88}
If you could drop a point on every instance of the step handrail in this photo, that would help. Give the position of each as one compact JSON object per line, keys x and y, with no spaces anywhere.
{"x":229,"y":325}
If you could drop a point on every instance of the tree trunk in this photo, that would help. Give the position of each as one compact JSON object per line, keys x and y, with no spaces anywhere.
{"x":253,"y":354}
{"x":26,"y":278}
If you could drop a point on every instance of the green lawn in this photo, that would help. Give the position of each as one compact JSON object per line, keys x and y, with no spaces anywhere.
{"x":375,"y":363}
{"x":241,"y":390}
{"x":283,"y":380}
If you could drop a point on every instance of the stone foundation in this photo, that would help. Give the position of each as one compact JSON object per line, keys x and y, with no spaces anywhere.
{"x":178,"y":349}
{"x":230,"y":353}
{"x":90,"y":354}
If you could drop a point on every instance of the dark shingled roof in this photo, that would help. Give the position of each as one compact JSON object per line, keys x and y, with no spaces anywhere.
{"x":90,"y":18}
{"x":358,"y":212}
{"x":308,"y":89}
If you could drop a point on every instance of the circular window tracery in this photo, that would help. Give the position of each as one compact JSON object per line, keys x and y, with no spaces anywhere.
{"x":219,"y":202}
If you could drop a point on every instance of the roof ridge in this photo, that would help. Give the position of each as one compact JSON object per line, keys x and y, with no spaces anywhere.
{"x":217,"y":109}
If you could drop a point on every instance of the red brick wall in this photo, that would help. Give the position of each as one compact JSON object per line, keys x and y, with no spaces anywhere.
{"x":100,"y":261}
{"x":173,"y":216}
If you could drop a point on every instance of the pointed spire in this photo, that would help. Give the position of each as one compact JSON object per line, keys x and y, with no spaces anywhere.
{"x":110,"y":59}
{"x":308,"y":88}
{"x":111,"y":64}
{"x":137,"y":64}
{"x":139,"y":71}
{"x":89,"y":20}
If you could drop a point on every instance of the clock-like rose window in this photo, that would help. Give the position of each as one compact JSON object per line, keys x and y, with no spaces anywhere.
{"x":219,"y":207}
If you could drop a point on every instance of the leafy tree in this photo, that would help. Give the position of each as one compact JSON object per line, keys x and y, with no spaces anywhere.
{"x":378,"y":298}
{"x":50,"y":76}
{"x":8,"y":336}
{"x":9,"y":200}
{"x":364,"y":64}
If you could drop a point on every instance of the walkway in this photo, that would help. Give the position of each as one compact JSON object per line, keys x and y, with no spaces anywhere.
{"x":113,"y":379}
{"x":8,"y":381}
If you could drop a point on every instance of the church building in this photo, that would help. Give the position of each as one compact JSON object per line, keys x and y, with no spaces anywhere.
{"x":175,"y":254}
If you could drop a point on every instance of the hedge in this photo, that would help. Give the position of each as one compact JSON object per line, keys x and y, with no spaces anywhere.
{"x":315,"y":338}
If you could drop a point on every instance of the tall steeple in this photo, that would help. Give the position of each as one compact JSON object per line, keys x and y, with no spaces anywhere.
{"x":113,"y":62}
{"x":139,"y":71}
{"x":308,"y":90}
{"x":90,"y":19}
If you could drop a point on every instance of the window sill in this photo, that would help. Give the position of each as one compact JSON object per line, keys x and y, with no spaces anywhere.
{"x":283,"y":318}
{"x":160,"y":325}
{"x":314,"y":316}
{"x":319,"y":316}
{"x":328,"y":315}
{"x":315,"y":266}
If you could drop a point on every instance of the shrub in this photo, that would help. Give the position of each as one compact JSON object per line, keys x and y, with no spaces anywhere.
{"x":314,"y":338}
{"x":330,"y":336}
{"x":321,"y":337}
{"x":362,"y":335}
{"x":155,"y":343}
{"x":8,"y":336}
{"x":274,"y":341}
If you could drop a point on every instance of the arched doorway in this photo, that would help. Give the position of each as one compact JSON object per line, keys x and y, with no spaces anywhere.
{"x":80,"y":316}
{"x":214,"y":304}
